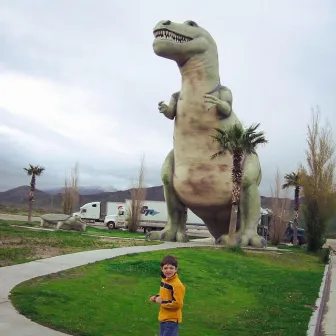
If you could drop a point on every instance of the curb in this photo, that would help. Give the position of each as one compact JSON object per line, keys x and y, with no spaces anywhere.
{"x":315,"y":322}
{"x":36,"y":228}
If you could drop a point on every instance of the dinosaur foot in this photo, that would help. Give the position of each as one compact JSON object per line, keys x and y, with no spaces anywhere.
{"x":228,"y":241}
{"x":170,"y":234}
{"x":243,"y":239}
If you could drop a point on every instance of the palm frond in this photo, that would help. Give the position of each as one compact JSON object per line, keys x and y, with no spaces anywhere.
{"x":222,"y":152}
{"x":237,"y":139}
{"x":221,"y":137}
{"x":291,"y":180}
{"x":34,"y":170}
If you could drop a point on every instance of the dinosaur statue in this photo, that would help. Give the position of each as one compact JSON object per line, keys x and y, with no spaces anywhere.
{"x":190,"y":178}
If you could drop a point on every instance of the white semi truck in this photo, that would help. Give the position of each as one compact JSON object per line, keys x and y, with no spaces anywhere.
{"x":153,"y":215}
{"x":114,"y":214}
{"x":97,"y":211}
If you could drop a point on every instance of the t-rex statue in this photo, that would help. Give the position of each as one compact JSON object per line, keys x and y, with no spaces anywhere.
{"x":190,"y":178}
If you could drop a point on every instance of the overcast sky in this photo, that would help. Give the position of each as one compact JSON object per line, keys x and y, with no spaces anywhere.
{"x":79,"y":81}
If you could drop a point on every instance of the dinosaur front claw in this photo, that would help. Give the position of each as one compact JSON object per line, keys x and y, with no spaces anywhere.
{"x":226,"y":241}
{"x":170,"y":235}
{"x":242,"y":239}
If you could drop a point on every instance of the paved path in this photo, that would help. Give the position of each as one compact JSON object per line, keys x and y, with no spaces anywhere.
{"x":329,"y":320}
{"x":14,"y":324}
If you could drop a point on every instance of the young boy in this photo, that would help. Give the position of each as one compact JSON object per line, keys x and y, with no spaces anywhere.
{"x":170,"y":298}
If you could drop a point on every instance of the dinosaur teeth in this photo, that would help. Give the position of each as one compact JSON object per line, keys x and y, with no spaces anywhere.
{"x":169,"y":35}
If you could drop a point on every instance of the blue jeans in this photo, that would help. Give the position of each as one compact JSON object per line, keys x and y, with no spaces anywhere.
{"x":169,"y":328}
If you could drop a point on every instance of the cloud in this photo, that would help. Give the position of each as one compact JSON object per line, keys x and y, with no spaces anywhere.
{"x":79,"y":82}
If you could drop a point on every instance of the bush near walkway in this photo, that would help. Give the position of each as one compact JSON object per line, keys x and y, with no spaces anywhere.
{"x":227,"y":293}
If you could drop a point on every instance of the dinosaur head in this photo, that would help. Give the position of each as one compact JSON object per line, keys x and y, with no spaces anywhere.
{"x":182,"y":41}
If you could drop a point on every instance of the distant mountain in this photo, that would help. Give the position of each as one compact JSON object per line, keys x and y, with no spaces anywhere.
{"x":52,"y":202}
{"x":19,"y":195}
{"x":82,"y":190}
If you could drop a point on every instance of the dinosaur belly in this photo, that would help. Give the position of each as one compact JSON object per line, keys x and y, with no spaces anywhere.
{"x":198,"y":180}
{"x":202,"y":184}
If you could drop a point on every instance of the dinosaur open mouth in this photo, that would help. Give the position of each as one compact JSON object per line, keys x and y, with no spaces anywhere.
{"x":166,"y":34}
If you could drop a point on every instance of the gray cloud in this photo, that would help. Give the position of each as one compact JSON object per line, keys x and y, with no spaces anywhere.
{"x":96,"y":82}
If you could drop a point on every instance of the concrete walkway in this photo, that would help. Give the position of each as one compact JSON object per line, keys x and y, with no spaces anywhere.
{"x":329,"y":318}
{"x":14,"y":324}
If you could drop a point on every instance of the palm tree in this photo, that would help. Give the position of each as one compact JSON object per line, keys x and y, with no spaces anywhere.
{"x":238,"y":142}
{"x":293,"y":180}
{"x":32,"y":171}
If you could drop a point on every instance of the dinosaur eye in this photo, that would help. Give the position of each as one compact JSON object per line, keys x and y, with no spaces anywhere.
{"x":191,"y":23}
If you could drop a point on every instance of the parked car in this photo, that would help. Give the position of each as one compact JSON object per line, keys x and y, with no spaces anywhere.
{"x":289,"y":234}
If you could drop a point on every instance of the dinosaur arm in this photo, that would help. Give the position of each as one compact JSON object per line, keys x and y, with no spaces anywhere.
{"x":223,"y":103}
{"x":225,"y":107}
{"x":169,"y":110}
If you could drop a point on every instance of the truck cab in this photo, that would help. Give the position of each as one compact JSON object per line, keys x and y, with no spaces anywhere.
{"x":97,"y":211}
{"x":117,"y":220}
{"x":89,"y":211}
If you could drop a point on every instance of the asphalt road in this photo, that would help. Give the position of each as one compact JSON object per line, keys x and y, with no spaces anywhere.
{"x":18,"y":217}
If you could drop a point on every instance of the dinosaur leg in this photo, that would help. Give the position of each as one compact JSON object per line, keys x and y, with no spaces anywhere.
{"x":250,"y":204}
{"x":175,"y":229}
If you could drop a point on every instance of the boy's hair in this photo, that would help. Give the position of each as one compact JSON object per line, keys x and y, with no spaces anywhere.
{"x":169,"y":260}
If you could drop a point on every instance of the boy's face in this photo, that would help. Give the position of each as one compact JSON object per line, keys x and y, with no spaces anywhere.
{"x":168,"y":270}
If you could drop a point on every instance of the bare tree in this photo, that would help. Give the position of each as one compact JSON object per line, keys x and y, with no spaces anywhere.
{"x":280,"y":208}
{"x":70,"y":194}
{"x":317,"y":180}
{"x":138,"y":196}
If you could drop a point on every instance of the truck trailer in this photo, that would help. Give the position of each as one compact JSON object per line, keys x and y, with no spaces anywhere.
{"x":153,"y":216}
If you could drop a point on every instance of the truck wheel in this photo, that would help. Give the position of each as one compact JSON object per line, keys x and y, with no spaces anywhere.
{"x":111,"y":225}
{"x":146,"y":230}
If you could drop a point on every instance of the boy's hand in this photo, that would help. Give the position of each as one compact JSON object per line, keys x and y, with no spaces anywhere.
{"x":152,"y":298}
{"x":158,"y":299}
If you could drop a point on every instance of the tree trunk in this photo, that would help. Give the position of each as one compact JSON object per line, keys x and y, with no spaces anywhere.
{"x":296,"y":213}
{"x":296,"y":217}
{"x":31,"y":197}
{"x":236,"y":183}
{"x":30,"y":209}
{"x":233,"y":226}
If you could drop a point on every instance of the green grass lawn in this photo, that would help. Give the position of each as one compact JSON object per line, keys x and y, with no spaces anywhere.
{"x":245,"y":294}
{"x":114,"y":233}
{"x":19,"y":245}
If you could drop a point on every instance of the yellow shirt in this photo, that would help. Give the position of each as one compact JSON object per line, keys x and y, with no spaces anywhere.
{"x":172,"y":292}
